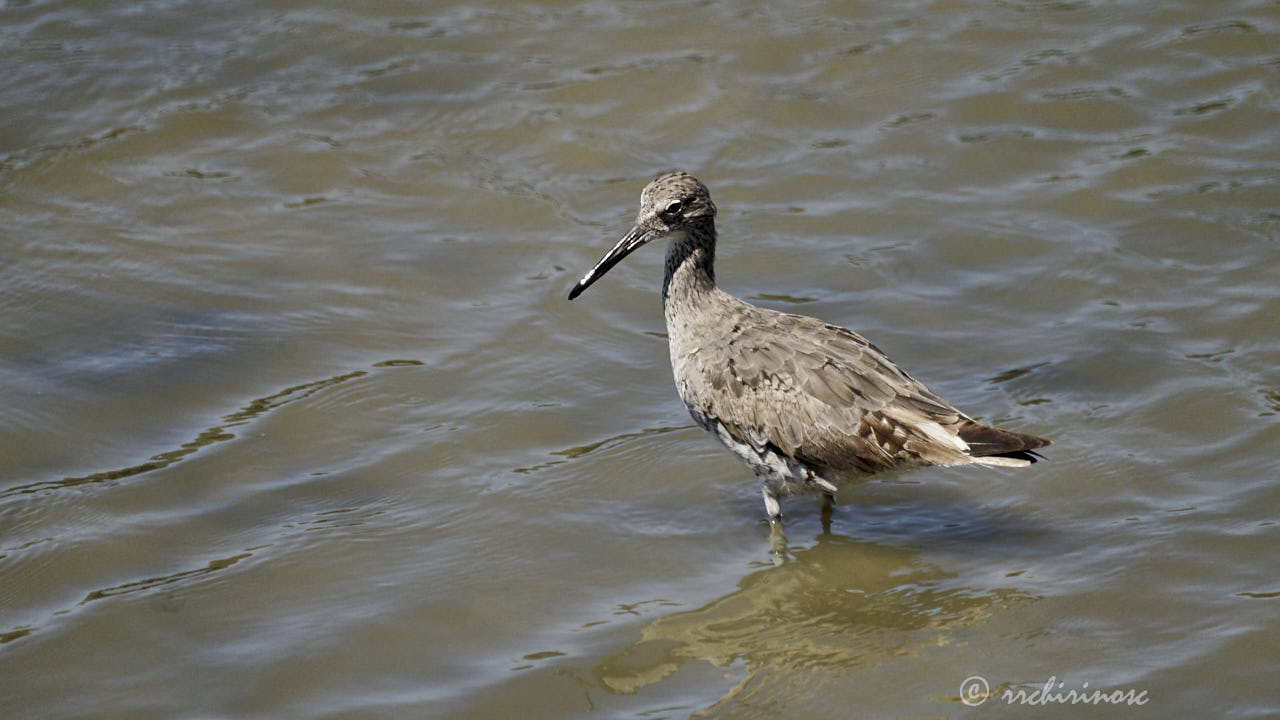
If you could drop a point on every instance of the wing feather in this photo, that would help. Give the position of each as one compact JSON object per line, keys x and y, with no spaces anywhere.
{"x":820,"y":393}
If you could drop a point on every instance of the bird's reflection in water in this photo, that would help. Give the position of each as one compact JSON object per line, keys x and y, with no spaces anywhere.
{"x":838,"y":604}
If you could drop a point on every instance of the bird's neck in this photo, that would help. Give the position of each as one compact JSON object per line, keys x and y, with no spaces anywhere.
{"x":691,"y":259}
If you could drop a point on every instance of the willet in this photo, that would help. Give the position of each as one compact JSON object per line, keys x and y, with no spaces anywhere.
{"x":804,"y":403}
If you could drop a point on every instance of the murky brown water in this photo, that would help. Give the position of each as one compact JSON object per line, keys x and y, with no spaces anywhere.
{"x":297,"y":421}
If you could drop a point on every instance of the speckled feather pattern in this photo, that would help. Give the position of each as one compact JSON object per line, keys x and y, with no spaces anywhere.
{"x":801,"y":401}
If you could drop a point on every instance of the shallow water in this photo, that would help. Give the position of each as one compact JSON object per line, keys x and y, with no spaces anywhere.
{"x":297,"y":421}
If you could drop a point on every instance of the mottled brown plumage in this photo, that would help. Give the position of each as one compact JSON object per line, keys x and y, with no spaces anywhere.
{"x":802,"y":402}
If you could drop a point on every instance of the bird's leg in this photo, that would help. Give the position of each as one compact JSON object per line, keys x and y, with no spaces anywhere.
{"x":777,"y":544}
{"x":825,"y":504}
{"x":771,"y":506}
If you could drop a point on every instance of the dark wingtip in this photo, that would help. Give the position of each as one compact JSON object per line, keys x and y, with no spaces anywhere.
{"x":987,"y":441}
{"x":576,"y":291}
{"x":1030,"y":456}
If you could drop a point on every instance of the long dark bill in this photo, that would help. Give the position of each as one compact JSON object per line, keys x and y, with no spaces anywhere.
{"x":629,"y":242}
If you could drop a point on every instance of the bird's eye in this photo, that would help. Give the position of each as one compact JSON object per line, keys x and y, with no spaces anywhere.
{"x":674,"y":208}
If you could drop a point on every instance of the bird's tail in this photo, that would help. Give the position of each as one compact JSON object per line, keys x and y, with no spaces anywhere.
{"x":992,"y":446}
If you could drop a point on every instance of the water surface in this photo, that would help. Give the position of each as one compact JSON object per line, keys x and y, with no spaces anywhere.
{"x":297,"y":421}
